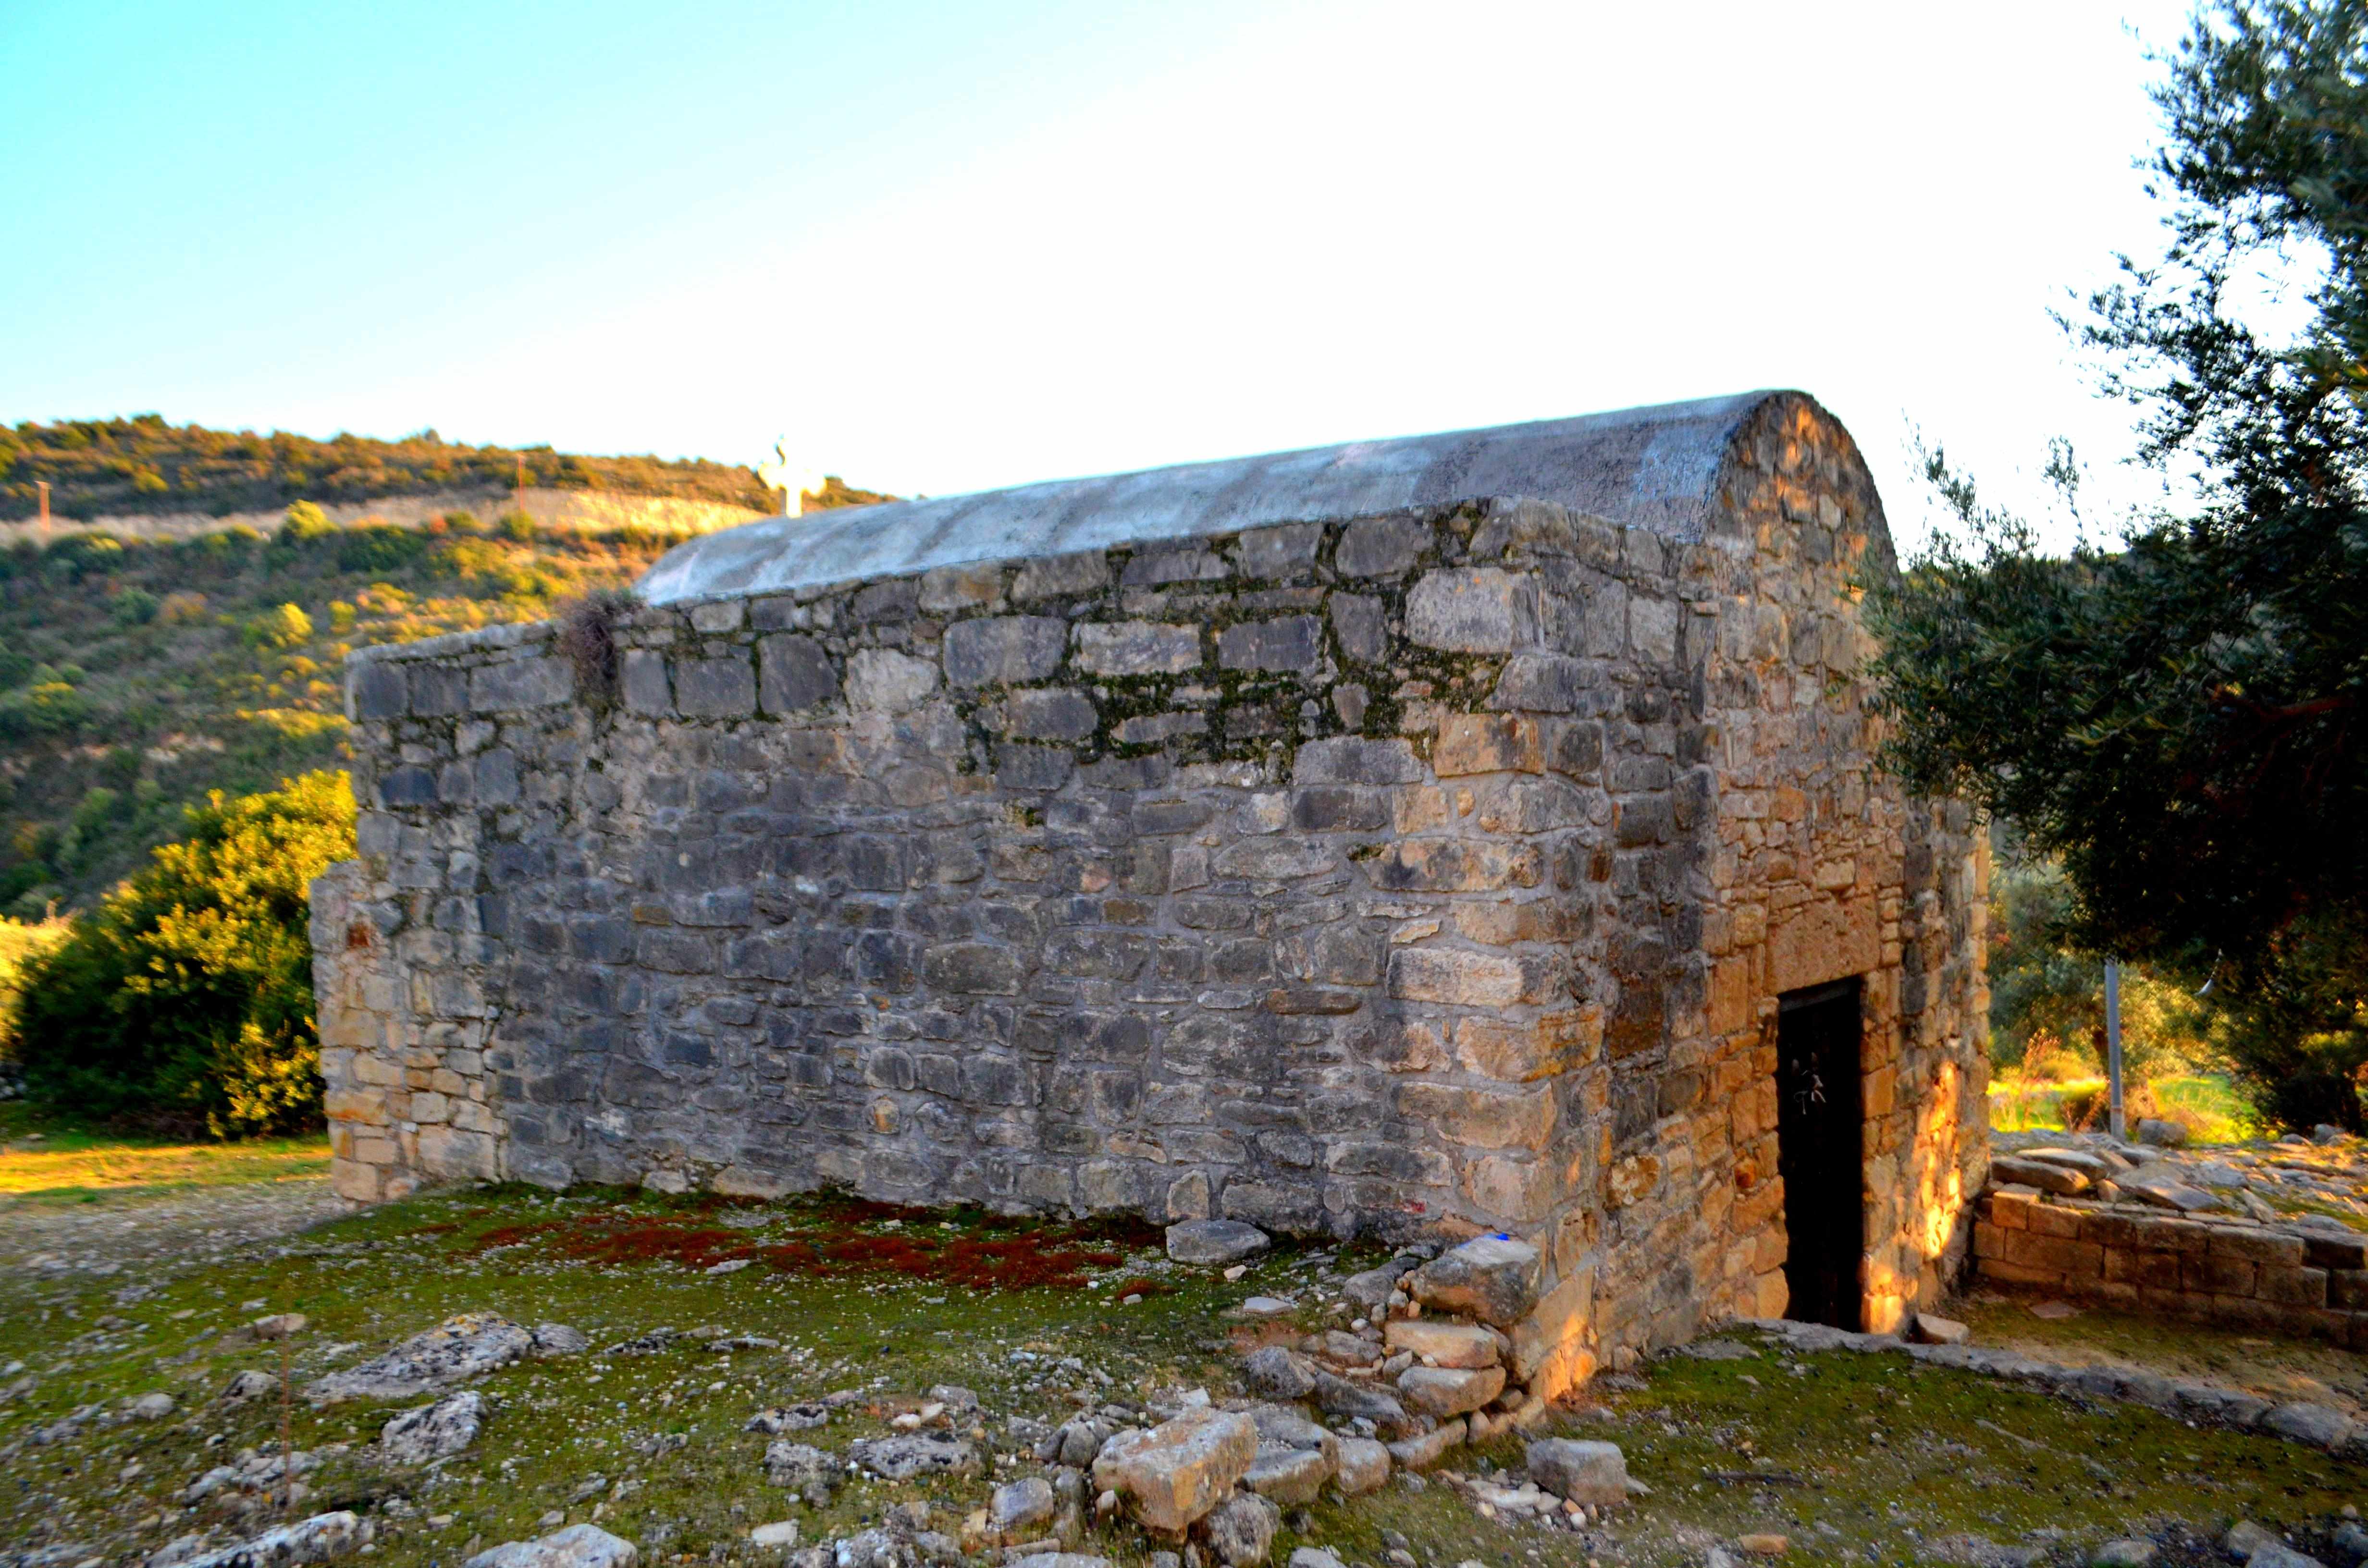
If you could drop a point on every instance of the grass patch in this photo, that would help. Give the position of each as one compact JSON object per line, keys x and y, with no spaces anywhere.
{"x":1890,"y":1456}
{"x":2206,"y":1103}
{"x":64,"y":1164}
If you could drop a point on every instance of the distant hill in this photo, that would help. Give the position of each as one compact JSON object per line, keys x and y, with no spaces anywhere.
{"x":100,"y":468}
{"x":137,"y":674}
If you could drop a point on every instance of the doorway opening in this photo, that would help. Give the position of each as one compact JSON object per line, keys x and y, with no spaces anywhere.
{"x":1820,"y":1152}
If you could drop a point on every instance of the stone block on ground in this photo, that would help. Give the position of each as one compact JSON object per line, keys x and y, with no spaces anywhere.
{"x":1591,"y":1473}
{"x":1179,"y":1470}
{"x":1492,"y":1279}
{"x":914,"y":1454}
{"x":2160,"y":1134}
{"x":1339,"y":1396}
{"x":558,"y":1339}
{"x":2317,"y":1425}
{"x":433,"y":1431}
{"x":1289,"y":1476}
{"x":577,"y":1546}
{"x":1240,"y":1531}
{"x":317,"y":1540}
{"x":1425,"y":1449}
{"x":782,"y":1535}
{"x":1214,"y":1241}
{"x":2046,"y":1177}
{"x":1448,"y":1390}
{"x":456,"y":1350}
{"x":1933,"y":1329}
{"x":812,"y":1472}
{"x":1443,"y":1343}
{"x":1370,"y":1292}
{"x":1021,"y":1507}
{"x":1274,"y":1372}
{"x":2126,"y":1553}
{"x":1364,"y":1466}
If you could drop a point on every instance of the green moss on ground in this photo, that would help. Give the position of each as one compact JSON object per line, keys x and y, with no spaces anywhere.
{"x":1882,"y":1447}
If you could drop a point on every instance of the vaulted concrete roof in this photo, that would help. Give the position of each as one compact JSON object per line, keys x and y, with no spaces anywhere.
{"x":1656,"y":468}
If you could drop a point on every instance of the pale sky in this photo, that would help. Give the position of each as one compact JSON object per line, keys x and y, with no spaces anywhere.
{"x":950,"y":247}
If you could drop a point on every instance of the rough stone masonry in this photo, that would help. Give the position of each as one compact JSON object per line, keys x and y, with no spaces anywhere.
{"x":1407,"y":837}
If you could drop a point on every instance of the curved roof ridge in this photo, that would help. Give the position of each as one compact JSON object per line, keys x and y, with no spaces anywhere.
{"x":1655,"y":468}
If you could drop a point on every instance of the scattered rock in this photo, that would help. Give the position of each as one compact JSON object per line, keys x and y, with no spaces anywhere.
{"x":1214,"y":1241}
{"x":1447,"y":1391}
{"x":1179,"y":1470}
{"x":1591,"y":1473}
{"x":456,"y":1350}
{"x":249,"y":1384}
{"x":2041,"y":1173}
{"x":804,"y":1469}
{"x":1443,"y":1343}
{"x":558,"y":1339}
{"x":1290,"y":1476}
{"x":2161,"y":1134}
{"x":1019,"y":1506}
{"x":1370,"y":1292}
{"x":279,"y":1325}
{"x":1274,"y":1372}
{"x":2350,"y":1543}
{"x":577,"y":1546}
{"x":1339,"y":1396}
{"x":908,"y":1455}
{"x":2165,"y":1190}
{"x":1265,"y":1307}
{"x":1763,"y":1545}
{"x":1425,"y":1448}
{"x":1315,"y":1557}
{"x":1240,"y":1531}
{"x":1933,"y":1329}
{"x":958,"y":1400}
{"x":2313,"y":1423}
{"x":316,"y":1539}
{"x":1364,"y":1466}
{"x":1059,"y":1560}
{"x":782,"y":1535}
{"x":1494,"y":1278}
{"x":782,"y":1418}
{"x":433,"y":1431}
{"x":2127,"y":1553}
{"x":2278,"y":1554}
{"x":153,"y":1407}
{"x":2245,"y":1538}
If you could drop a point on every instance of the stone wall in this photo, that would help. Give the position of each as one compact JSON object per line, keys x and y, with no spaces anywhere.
{"x":1432,"y":873}
{"x":2221,"y":1270}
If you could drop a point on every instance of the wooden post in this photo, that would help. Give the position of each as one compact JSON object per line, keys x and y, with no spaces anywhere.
{"x":2120,"y":1119}
{"x":44,"y":486}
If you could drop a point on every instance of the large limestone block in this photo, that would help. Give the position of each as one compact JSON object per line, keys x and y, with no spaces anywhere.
{"x":1443,"y":1343}
{"x":1214,"y":1241}
{"x":1289,"y":1476}
{"x":1493,"y":1278}
{"x":1425,"y":1448}
{"x":1594,"y":1474}
{"x":1448,"y":1390}
{"x":1179,"y":1470}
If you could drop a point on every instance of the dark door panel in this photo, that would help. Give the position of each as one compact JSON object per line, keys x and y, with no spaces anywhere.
{"x":1819,"y":1133}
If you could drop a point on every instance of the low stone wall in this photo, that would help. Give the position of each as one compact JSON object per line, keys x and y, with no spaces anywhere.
{"x":2221,"y":1270}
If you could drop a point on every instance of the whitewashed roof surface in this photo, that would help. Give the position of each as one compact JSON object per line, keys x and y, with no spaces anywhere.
{"x":1656,"y":468}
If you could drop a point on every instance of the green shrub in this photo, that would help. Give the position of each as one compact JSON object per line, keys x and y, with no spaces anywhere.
{"x":380,"y":547}
{"x":131,"y":606}
{"x":305,"y":521}
{"x":285,"y":626}
{"x":188,"y":995}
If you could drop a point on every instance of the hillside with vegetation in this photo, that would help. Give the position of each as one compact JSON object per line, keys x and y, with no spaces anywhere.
{"x":98,"y":468}
{"x":137,"y":675}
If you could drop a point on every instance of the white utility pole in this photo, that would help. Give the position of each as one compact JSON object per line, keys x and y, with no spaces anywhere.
{"x":2120,"y":1126}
